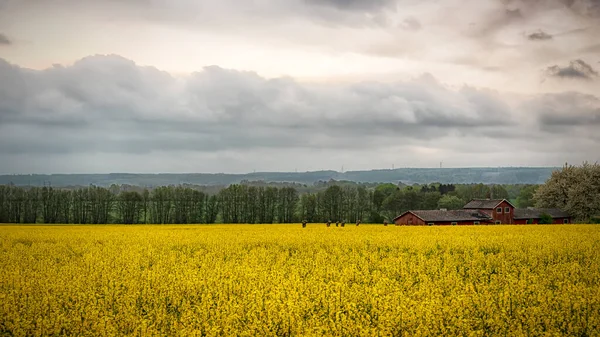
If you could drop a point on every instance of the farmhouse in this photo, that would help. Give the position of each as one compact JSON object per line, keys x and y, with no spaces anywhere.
{"x":498,"y":210}
{"x":479,"y":212}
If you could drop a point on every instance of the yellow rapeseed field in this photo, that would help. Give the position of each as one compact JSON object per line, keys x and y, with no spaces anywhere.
{"x":283,"y":280}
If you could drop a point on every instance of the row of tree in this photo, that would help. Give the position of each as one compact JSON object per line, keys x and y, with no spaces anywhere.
{"x":238,"y":203}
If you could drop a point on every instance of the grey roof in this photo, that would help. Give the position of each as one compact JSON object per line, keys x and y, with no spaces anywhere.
{"x":535,"y":213}
{"x":484,"y":203}
{"x":452,"y":215}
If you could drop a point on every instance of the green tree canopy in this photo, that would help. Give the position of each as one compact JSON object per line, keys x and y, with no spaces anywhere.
{"x":450,"y":202}
{"x":525,"y":198}
{"x":574,"y":189}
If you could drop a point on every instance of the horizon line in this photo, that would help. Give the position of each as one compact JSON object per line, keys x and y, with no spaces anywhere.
{"x":286,"y":172}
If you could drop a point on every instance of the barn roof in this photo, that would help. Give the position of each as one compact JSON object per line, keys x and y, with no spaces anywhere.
{"x":485,"y":203}
{"x":535,"y":213}
{"x":452,"y":215}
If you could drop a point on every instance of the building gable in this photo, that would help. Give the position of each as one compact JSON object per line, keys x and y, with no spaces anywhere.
{"x":485,"y":203}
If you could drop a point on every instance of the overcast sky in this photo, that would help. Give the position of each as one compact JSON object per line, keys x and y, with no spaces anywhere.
{"x":90,"y":86}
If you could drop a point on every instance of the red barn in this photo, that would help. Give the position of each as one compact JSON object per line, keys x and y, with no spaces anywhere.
{"x":500,"y":210}
{"x":481,"y":211}
{"x":441,"y":217}
{"x":533,"y":215}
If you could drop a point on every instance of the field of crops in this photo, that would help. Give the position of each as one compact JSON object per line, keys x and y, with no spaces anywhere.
{"x":283,"y":280}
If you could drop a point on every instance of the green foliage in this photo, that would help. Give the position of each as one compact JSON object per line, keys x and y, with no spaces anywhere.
{"x":129,"y":207}
{"x":545,"y":219}
{"x":595,"y":220}
{"x":481,"y":191}
{"x":450,"y":202}
{"x":525,"y":198}
{"x":574,"y":189}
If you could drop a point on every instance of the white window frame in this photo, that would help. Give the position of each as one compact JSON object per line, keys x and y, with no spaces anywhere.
{"x":476,"y":223}
{"x":565,"y":221}
{"x":430,"y":223}
{"x":498,"y":222}
{"x":454,"y":223}
{"x":506,"y":209}
{"x":499,"y":208}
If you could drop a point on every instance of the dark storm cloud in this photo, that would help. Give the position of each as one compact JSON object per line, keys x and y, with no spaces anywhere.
{"x":576,"y":69}
{"x":4,"y":40}
{"x":539,"y":36}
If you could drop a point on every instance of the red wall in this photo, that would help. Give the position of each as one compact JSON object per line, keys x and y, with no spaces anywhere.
{"x":409,"y":219}
{"x":535,"y":221}
{"x":459,"y":223}
{"x":505,"y":218}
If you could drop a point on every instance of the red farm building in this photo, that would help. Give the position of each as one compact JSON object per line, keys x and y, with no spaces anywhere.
{"x":479,"y":212}
{"x":533,"y":215}
{"x":498,"y":210}
{"x":441,"y":217}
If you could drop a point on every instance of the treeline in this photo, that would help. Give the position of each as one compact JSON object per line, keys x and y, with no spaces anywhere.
{"x":485,"y":175}
{"x":237,"y":203}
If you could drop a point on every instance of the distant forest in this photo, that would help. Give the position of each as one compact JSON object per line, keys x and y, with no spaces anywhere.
{"x":407,"y":176}
{"x":241,"y":203}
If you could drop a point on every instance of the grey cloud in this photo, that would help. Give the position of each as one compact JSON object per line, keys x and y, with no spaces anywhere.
{"x":229,"y":15}
{"x":576,"y":69}
{"x":4,"y":40}
{"x":539,"y":36}
{"x":589,"y":8}
{"x":586,"y":8}
{"x":109,"y":106}
{"x":581,"y":14}
{"x":411,"y":23}
{"x":560,"y":112}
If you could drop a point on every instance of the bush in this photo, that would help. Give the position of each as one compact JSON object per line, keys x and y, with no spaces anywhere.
{"x":546,"y":218}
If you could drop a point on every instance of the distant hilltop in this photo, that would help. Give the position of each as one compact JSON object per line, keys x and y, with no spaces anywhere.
{"x":485,"y":175}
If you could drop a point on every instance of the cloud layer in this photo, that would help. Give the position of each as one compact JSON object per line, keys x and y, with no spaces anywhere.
{"x":363,"y":84}
{"x":466,"y":41}
{"x":105,"y":113}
